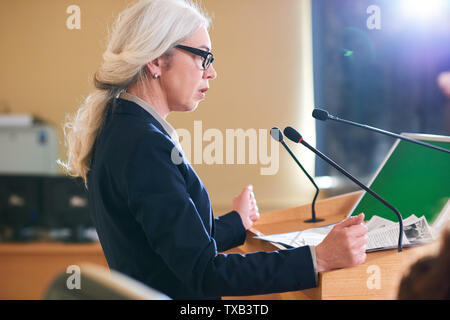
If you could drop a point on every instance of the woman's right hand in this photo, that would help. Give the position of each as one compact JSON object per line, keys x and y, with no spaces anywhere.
{"x":245,"y":205}
{"x":344,"y":246}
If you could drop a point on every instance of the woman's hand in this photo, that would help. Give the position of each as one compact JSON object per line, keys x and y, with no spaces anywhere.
{"x":245,"y":205}
{"x":344,"y":246}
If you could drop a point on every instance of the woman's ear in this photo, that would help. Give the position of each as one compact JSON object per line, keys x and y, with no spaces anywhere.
{"x":154,"y":68}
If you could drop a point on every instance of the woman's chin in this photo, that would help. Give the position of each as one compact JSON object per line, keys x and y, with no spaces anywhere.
{"x":187,"y":107}
{"x":192,"y":106}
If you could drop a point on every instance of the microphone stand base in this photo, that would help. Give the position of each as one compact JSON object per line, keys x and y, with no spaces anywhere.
{"x":313,"y":220}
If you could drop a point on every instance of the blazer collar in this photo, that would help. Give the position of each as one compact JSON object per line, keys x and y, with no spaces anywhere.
{"x":130,"y":104}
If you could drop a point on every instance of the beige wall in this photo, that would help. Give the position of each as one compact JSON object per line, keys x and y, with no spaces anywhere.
{"x":263,"y":60}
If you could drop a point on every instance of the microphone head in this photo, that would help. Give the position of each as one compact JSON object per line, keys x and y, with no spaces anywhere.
{"x":320,"y":114}
{"x":276,"y":133}
{"x":292,"y":134}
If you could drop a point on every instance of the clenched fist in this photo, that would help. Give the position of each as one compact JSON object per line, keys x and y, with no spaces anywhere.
{"x":245,"y":205}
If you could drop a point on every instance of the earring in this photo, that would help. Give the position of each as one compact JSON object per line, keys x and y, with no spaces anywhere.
{"x":155,"y":76}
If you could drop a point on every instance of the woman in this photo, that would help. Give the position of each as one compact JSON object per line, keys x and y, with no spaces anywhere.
{"x":152,"y":213}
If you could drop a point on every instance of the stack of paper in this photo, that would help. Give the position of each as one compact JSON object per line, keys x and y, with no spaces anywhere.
{"x":382,"y":234}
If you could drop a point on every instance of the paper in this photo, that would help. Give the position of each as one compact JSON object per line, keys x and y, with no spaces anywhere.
{"x":382,"y":233}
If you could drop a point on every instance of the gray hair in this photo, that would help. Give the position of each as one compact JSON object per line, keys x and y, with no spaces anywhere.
{"x":141,"y":33}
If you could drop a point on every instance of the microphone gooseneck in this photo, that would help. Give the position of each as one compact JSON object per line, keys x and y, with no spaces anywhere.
{"x":276,"y":134}
{"x":323,"y":115}
{"x":296,"y":137}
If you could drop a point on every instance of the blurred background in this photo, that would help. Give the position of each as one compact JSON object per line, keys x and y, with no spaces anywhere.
{"x":382,"y":63}
{"x":378,"y":63}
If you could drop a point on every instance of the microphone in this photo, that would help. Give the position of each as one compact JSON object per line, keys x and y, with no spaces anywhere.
{"x":276,"y":133}
{"x":296,"y":137}
{"x":323,"y":115}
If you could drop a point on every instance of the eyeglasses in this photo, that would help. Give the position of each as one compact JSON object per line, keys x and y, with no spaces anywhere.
{"x":207,"y":56}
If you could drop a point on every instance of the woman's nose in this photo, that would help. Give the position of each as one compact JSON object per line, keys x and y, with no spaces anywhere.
{"x":211,"y":73}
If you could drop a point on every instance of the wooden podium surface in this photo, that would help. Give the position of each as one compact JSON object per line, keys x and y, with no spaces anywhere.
{"x":377,"y":278}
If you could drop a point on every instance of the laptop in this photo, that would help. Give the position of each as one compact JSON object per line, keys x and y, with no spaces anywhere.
{"x":414,"y":179}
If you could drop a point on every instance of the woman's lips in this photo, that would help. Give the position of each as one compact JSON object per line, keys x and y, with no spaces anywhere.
{"x":203,"y":92}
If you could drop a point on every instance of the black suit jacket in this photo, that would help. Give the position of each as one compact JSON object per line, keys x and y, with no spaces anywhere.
{"x":155,"y":222}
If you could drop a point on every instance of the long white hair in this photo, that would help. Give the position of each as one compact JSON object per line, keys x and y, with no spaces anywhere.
{"x":141,"y":33}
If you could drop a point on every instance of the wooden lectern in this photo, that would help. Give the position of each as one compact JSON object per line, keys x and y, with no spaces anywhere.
{"x":377,"y":278}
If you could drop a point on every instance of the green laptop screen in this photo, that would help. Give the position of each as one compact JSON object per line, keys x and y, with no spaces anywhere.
{"x":414,"y":179}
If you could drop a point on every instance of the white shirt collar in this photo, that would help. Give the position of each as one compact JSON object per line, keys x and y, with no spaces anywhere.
{"x":170,"y":130}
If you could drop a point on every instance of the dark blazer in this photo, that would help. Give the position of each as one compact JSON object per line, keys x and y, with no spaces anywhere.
{"x":155,"y":222}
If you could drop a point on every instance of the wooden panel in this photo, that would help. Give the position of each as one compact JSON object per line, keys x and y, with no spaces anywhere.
{"x":361,"y":282}
{"x":26,"y":270}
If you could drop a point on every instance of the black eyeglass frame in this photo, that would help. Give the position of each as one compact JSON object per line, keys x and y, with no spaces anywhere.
{"x":204,"y":54}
